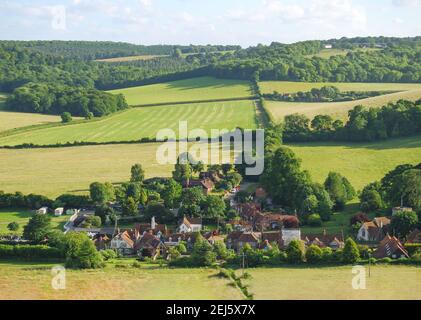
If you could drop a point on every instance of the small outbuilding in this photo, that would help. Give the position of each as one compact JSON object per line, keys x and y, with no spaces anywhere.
{"x":59,"y":212}
{"x":43,"y":210}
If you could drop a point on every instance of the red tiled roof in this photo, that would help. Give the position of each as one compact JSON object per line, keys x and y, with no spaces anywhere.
{"x":388,"y":247}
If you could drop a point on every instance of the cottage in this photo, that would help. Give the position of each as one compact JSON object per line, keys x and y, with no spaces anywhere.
{"x":232,"y":239}
{"x":124,"y":242}
{"x":328,"y":46}
{"x":58,"y":212}
{"x":213,"y":237}
{"x":189,"y":225}
{"x":250,"y":238}
{"x":333,"y":241}
{"x":150,"y":246}
{"x":156,"y":229}
{"x":43,"y":210}
{"x":207,"y":185}
{"x":274,"y":221}
{"x":374,"y":230}
{"x":101,"y":241}
{"x":214,"y":176}
{"x":400,"y":209}
{"x":390,"y":247}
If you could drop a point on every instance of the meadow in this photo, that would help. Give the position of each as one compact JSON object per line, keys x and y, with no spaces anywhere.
{"x":334,"y":283}
{"x":190,"y":90}
{"x":22,"y":217}
{"x":13,"y":120}
{"x":60,"y":170}
{"x":20,"y":280}
{"x":327,"y":53}
{"x":293,"y":87}
{"x":338,"y":110}
{"x":361,"y":163}
{"x":136,"y":123}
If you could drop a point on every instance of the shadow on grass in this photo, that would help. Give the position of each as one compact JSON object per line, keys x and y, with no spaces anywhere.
{"x":397,"y":143}
{"x":204,"y":82}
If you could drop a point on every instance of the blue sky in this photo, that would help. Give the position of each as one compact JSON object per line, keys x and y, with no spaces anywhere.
{"x":244,"y":22}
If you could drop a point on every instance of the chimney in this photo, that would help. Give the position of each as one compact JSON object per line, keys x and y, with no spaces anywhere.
{"x":153,"y":223}
{"x":324,"y":232}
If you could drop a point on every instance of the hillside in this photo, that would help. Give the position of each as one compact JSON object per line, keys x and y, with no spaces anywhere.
{"x":339,"y":110}
{"x":196,"y":89}
{"x":136,"y":123}
{"x":12,"y":120}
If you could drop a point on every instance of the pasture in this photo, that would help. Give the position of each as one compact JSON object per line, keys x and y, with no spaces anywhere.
{"x":13,"y":120}
{"x":136,"y":123}
{"x":293,"y":87}
{"x":61,"y":170}
{"x":361,"y":163}
{"x":21,"y":280}
{"x":333,"y":283}
{"x":190,"y":90}
{"x":22,"y":217}
{"x":338,"y":110}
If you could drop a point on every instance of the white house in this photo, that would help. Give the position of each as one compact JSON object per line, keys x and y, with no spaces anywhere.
{"x":374,"y":230}
{"x":58,"y":212}
{"x":328,"y":46}
{"x":43,"y":210}
{"x":190,"y":225}
{"x":290,"y":234}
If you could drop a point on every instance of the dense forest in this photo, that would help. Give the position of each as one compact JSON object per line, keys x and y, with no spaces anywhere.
{"x":69,"y":63}
{"x":364,"y":124}
{"x":92,"y":50}
{"x":57,"y":99}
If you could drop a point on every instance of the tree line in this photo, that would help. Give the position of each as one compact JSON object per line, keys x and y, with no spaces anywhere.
{"x":393,"y":120}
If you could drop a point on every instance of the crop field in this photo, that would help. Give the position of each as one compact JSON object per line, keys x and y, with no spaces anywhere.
{"x":137,"y":123}
{"x":22,"y":217}
{"x":293,"y":87}
{"x":331,"y":283}
{"x":338,"y":110}
{"x":13,"y":120}
{"x":361,"y":163}
{"x":20,"y":280}
{"x":190,"y":90}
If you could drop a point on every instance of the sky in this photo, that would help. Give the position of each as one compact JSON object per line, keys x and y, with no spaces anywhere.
{"x":243,"y":22}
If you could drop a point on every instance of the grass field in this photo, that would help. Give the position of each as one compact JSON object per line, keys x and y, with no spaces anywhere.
{"x":131,"y":58}
{"x":22,"y":217}
{"x":12,"y":120}
{"x":362,"y":163}
{"x":339,"y":110}
{"x":327,"y":53}
{"x":59,"y":170}
{"x":293,"y":87}
{"x":55,"y":171}
{"x":19,"y":280}
{"x":196,"y":89}
{"x":330,"y":283}
{"x":137,"y":123}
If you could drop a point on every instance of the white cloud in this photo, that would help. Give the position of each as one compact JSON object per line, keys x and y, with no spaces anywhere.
{"x":405,"y":3}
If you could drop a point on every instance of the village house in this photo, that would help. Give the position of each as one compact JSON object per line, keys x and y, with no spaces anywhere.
{"x":207,"y":185}
{"x":43,"y":210}
{"x":150,"y":246}
{"x":214,"y":176}
{"x":58,"y":212}
{"x":328,"y":46}
{"x":390,"y":247}
{"x":395,"y":210}
{"x":101,"y":241}
{"x":333,"y":241}
{"x":213,"y":237}
{"x":159,"y":230}
{"x":240,"y":225}
{"x":189,"y":225}
{"x":124,"y":242}
{"x":374,"y":230}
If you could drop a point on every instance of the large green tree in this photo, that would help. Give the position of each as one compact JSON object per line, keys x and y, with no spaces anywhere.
{"x":38,"y":228}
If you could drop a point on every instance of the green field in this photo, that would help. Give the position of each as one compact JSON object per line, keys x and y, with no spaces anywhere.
{"x":137,"y":123}
{"x":190,"y":90}
{"x":13,"y":120}
{"x":362,"y":163}
{"x":335,"y":283}
{"x":19,"y":280}
{"x":22,"y":217}
{"x":59,"y":170}
{"x":52,"y":172}
{"x":293,"y":87}
{"x":327,"y":53}
{"x":278,"y":110}
{"x":131,"y":58}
